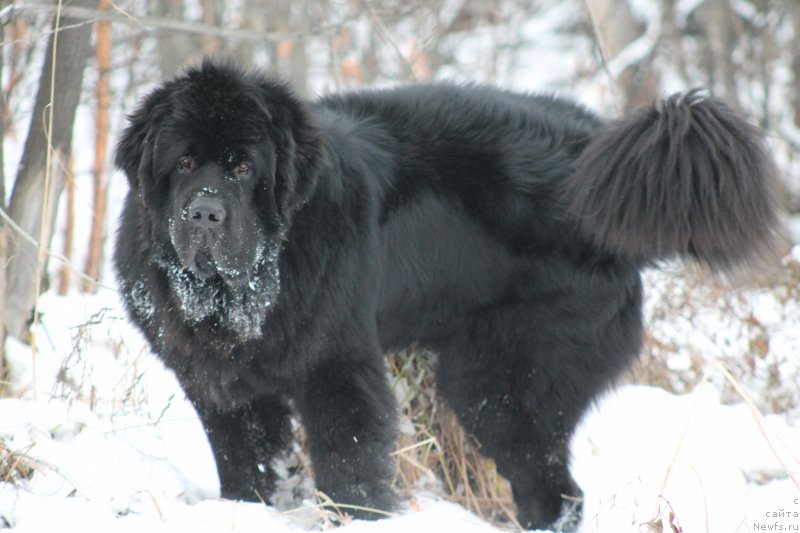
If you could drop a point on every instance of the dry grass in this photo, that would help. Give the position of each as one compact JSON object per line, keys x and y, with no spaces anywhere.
{"x":15,"y":465}
{"x":701,"y":320}
{"x":665,"y":522}
{"x":435,"y":453}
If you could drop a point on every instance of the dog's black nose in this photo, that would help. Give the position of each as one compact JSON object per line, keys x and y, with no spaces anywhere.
{"x":206,"y":212}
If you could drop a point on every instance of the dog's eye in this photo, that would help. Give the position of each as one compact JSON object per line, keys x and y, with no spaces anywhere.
{"x":243,"y":169}
{"x":186,"y":164}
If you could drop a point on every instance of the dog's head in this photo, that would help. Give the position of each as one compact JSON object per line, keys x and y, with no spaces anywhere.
{"x":219,"y":160}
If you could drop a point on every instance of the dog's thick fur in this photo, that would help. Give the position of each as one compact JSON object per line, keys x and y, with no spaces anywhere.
{"x":271,"y":250}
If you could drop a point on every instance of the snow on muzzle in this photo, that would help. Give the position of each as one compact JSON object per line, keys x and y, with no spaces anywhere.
{"x":210,"y":242}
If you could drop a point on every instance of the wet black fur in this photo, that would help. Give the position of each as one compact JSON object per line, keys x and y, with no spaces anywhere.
{"x":503,"y":231}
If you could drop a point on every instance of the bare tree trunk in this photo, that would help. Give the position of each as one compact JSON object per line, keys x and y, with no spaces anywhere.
{"x":253,"y":17}
{"x":672,"y":36}
{"x":94,"y":257}
{"x":65,"y":274}
{"x":212,"y":16}
{"x":298,"y":61}
{"x":615,"y":28}
{"x":3,"y":229}
{"x":289,"y":56}
{"x":175,"y":48}
{"x":796,"y":62}
{"x":18,"y":57}
{"x":27,"y":199}
{"x":721,"y":34}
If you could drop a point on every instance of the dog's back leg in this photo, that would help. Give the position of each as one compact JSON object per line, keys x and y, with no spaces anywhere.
{"x":521,"y":375}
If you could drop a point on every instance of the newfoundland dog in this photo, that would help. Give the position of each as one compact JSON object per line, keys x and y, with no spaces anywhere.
{"x":272,"y":249}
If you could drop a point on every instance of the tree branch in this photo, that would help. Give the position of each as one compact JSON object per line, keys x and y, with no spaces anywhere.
{"x":155,"y":23}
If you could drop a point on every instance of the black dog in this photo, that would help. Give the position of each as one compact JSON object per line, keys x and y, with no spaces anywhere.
{"x":272,"y":249}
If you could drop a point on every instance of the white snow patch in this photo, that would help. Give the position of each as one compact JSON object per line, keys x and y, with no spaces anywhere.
{"x":123,"y":452}
{"x":643,"y":449}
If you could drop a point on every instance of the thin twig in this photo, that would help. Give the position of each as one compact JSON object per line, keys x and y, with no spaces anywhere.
{"x":387,"y":36}
{"x":46,"y":199}
{"x":58,"y":256}
{"x":420,"y":444}
{"x":762,"y":424}
{"x":682,"y":439}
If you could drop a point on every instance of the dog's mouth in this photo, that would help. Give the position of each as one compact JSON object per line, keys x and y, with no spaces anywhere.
{"x":214,"y":263}
{"x":199,"y":256}
{"x":230,"y":278}
{"x":217,"y":256}
{"x":202,"y":265}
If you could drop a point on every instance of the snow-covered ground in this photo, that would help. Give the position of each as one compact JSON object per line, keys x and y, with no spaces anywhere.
{"x":115,"y":447}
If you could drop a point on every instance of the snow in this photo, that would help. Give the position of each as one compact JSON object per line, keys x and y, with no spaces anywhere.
{"x":117,"y":448}
{"x":793,"y":227}
{"x":644,"y":447}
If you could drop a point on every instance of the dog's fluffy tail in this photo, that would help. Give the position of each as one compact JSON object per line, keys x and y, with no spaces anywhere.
{"x":686,"y":177}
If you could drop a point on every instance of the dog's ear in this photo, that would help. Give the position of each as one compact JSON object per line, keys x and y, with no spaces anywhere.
{"x":298,"y":145}
{"x":134,"y":152}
